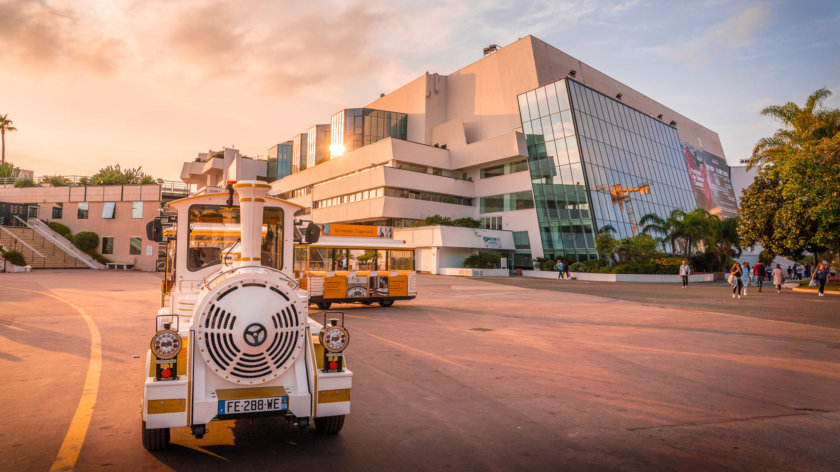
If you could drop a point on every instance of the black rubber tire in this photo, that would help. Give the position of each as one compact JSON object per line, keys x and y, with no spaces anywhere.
{"x":155,"y":439}
{"x":329,"y":424}
{"x":324,"y":305}
{"x":386,"y":303}
{"x":366,"y":303}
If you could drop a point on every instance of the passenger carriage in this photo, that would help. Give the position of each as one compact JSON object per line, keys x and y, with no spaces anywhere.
{"x":233,"y":336}
{"x":342,"y":269}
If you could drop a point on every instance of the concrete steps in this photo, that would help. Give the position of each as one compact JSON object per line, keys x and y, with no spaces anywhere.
{"x":27,"y":242}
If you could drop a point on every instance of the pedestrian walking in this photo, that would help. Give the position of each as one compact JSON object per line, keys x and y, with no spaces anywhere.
{"x":800,"y":272}
{"x":745,"y":276}
{"x":790,"y":273}
{"x":820,"y":275}
{"x":568,"y":271}
{"x":560,"y":269}
{"x":735,"y":274}
{"x":758,"y":272}
{"x":778,"y":278}
{"x":685,"y":271}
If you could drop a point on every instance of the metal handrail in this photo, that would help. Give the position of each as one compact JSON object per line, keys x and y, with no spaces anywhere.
{"x":14,"y":236}
{"x":62,"y":243}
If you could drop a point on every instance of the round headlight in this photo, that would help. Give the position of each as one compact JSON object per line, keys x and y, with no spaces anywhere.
{"x":166,"y":344}
{"x":334,"y":338}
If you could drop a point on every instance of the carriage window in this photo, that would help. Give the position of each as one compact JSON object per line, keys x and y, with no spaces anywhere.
{"x":214,"y":231}
{"x":381,"y":260}
{"x":319,"y":258}
{"x":300,"y":261}
{"x":401,"y":259}
{"x":339,"y":258}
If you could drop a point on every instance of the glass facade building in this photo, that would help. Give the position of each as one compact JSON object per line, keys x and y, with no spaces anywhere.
{"x":299,"y":147}
{"x":353,"y":128}
{"x":317,"y":145}
{"x":279,"y":162}
{"x":595,"y":162}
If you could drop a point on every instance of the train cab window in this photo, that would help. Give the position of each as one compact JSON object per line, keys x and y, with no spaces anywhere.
{"x":381,"y":260}
{"x":214,"y":231}
{"x":339,"y":258}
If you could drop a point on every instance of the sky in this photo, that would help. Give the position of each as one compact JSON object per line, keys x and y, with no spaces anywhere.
{"x":152,"y":83}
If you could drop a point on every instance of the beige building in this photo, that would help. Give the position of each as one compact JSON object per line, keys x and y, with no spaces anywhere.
{"x":117,"y":213}
{"x":526,"y":139}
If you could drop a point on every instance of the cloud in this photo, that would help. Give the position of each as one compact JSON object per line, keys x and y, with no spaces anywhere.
{"x":37,"y":34}
{"x":725,"y":39}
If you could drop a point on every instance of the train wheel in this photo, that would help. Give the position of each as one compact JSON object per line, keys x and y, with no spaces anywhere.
{"x":324,"y":305}
{"x":386,"y":303}
{"x":329,"y":424}
{"x":155,"y":439}
{"x":366,"y":302}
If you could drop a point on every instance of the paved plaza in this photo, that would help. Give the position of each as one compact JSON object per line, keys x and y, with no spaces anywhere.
{"x":475,"y":374}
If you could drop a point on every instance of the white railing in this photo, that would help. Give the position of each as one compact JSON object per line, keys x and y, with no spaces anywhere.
{"x":61,"y":242}
{"x":14,"y":236}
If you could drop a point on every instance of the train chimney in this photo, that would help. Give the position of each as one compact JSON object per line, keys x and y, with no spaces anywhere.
{"x":251,"y":201}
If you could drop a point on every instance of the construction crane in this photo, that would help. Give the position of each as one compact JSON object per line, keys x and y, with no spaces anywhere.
{"x":621,"y":196}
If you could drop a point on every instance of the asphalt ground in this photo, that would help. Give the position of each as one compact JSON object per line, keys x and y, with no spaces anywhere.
{"x":473,"y":375}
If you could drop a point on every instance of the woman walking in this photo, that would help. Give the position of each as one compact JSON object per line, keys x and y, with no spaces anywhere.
{"x":778,"y":278}
{"x":820,"y":275}
{"x":735,"y":274}
{"x":745,"y":276}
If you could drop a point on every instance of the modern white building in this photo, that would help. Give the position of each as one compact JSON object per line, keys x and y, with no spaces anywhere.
{"x":526,"y":139}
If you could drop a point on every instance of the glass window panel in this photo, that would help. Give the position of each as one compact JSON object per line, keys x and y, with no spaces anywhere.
{"x":532,"y":104}
{"x":574,"y":155}
{"x":523,"y":108}
{"x":542,"y":101}
{"x":551,"y":93}
{"x":82,"y":211}
{"x":108,"y":210}
{"x":136,"y":210}
{"x":568,"y":125}
{"x":546,"y":127}
{"x":562,"y":96}
{"x":135,"y":246}
{"x":108,"y":245}
{"x":557,"y":125}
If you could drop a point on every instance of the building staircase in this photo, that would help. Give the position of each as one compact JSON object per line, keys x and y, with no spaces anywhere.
{"x":39,"y":252}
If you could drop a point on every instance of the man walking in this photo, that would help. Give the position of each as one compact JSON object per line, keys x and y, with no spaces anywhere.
{"x":685,"y":271}
{"x":759,"y":272}
{"x":560,"y":270}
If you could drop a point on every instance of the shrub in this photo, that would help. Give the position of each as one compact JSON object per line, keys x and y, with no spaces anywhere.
{"x":14,"y":257}
{"x":60,"y":229}
{"x":483,"y":260}
{"x":99,"y":257}
{"x":24,"y":182}
{"x":667,"y":265}
{"x":86,"y":240}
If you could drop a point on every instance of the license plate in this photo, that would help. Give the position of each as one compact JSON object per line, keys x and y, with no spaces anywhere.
{"x":253,"y":405}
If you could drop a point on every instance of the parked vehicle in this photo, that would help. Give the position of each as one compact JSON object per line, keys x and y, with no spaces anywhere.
{"x":233,"y":338}
{"x":342,"y":269}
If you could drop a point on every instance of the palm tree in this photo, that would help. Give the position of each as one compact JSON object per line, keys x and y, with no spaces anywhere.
{"x":5,"y":125}
{"x":671,"y":228}
{"x":800,"y":125}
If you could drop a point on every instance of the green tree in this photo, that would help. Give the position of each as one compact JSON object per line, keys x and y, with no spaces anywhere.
{"x":5,"y":125}
{"x":670,"y":229}
{"x":8,"y":170}
{"x":24,"y":182}
{"x":800,"y":126}
{"x":794,"y":203}
{"x":55,"y":180}
{"x":113,"y":175}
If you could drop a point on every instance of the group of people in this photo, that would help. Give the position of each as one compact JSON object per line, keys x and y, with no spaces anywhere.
{"x":563,"y":269}
{"x":798,"y":271}
{"x":740,"y":276}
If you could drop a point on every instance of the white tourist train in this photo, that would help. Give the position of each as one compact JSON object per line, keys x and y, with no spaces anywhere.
{"x":233,"y":337}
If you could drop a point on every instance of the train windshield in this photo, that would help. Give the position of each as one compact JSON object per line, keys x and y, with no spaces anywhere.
{"x":214,"y":233}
